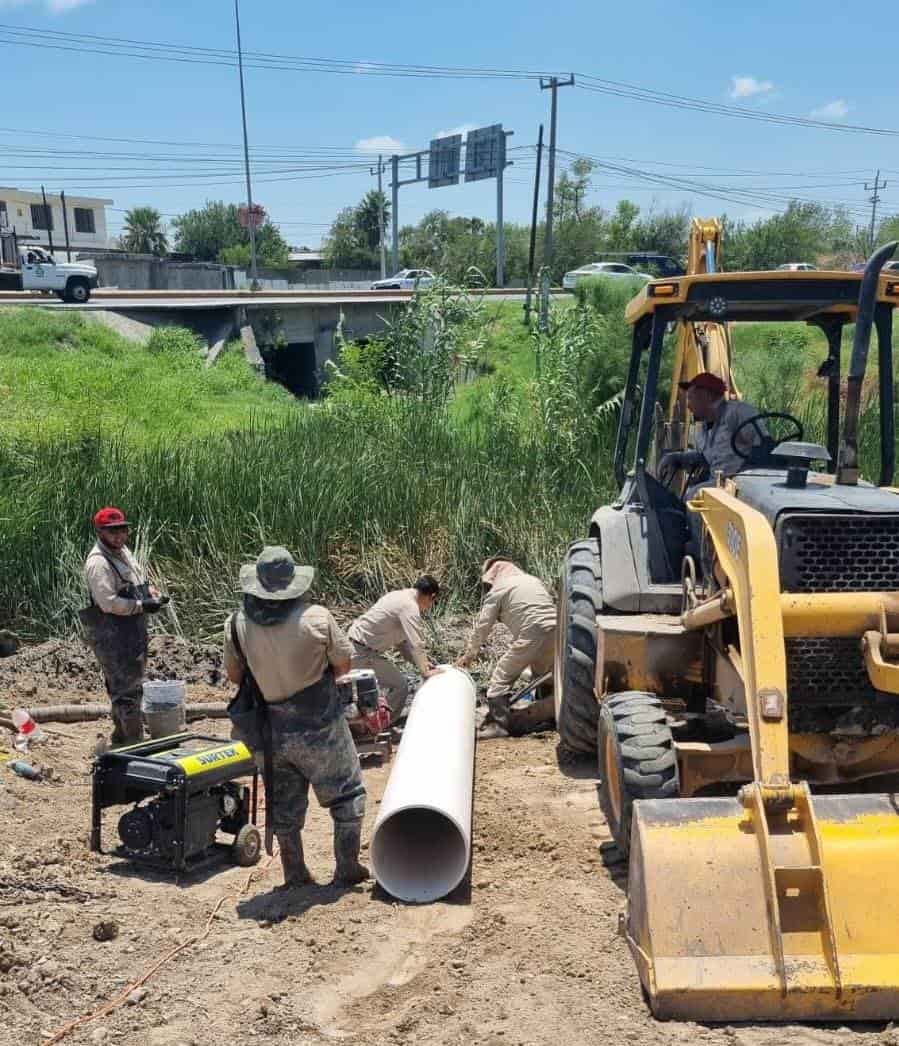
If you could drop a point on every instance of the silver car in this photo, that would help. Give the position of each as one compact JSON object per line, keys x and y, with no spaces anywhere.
{"x":614,"y":270}
{"x":405,"y":280}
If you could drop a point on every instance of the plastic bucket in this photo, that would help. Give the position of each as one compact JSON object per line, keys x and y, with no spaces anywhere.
{"x":163,"y":707}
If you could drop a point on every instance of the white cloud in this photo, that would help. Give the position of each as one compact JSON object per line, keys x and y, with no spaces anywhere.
{"x":55,"y":7}
{"x":749,"y":87}
{"x":836,"y":110}
{"x":462,"y":129}
{"x":381,"y":143}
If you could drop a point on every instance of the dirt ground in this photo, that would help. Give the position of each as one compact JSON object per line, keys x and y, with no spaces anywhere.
{"x":525,"y":953}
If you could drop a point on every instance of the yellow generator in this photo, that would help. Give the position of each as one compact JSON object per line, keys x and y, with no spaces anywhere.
{"x":730,"y":650}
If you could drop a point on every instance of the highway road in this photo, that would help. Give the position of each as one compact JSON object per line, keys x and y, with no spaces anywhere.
{"x":115,"y":300}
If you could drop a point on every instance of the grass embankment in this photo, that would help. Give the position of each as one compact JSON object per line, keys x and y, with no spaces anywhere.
{"x":61,"y":375}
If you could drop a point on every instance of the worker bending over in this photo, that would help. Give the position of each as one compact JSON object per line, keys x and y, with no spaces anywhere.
{"x":295,"y":651}
{"x":522,"y":603}
{"x":394,"y":623}
{"x":115,"y":623}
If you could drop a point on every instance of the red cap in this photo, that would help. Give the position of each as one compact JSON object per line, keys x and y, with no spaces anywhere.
{"x":705,"y":380}
{"x":110,"y":517}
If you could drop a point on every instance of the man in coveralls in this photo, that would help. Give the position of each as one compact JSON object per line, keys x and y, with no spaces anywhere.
{"x":115,"y":622}
{"x":295,"y":651}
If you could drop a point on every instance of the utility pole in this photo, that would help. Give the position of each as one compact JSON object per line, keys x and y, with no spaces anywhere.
{"x":394,"y":213}
{"x":552,"y":85}
{"x":65,"y":225}
{"x":874,"y":201}
{"x":48,"y":219}
{"x":381,"y":245}
{"x":251,"y":214}
{"x":533,"y":245}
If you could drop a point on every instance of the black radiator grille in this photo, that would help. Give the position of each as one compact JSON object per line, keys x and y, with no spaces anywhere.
{"x":827,"y":670}
{"x":839,"y":553}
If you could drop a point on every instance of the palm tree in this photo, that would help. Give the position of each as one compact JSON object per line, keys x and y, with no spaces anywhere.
{"x":144,"y":232}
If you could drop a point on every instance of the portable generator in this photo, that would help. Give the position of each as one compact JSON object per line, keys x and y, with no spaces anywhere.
{"x":185,"y":790}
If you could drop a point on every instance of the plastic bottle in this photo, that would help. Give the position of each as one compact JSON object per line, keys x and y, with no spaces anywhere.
{"x":28,"y":730}
{"x":25,"y":770}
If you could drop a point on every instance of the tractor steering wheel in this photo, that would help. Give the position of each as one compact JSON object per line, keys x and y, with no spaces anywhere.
{"x":761,"y":451}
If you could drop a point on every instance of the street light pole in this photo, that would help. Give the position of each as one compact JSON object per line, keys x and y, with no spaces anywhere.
{"x":254,"y":272}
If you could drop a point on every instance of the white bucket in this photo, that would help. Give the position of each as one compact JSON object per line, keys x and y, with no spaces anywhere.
{"x":163,"y":706}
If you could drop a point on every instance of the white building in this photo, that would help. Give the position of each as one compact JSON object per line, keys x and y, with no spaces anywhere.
{"x":23,"y":212}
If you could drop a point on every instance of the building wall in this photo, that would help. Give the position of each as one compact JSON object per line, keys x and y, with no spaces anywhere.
{"x":143,"y":272}
{"x":19,"y":216}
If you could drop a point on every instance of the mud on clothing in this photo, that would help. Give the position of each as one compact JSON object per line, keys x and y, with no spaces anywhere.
{"x":310,"y":738}
{"x":118,"y":635}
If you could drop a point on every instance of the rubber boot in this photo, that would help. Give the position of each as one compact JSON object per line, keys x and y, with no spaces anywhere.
{"x":296,"y":873}
{"x":496,"y":724}
{"x":128,"y":726}
{"x":347,"y":841}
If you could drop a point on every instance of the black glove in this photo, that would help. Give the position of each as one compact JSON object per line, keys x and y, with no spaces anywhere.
{"x":153,"y":606}
{"x":675,"y":460}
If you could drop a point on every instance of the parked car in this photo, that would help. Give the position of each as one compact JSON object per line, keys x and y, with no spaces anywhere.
{"x":660,"y":265}
{"x":797,"y":267}
{"x":614,"y":270}
{"x":891,"y":266}
{"x":405,"y":280}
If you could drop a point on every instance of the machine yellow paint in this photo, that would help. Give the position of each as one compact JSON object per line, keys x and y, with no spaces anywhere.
{"x":216,"y":756}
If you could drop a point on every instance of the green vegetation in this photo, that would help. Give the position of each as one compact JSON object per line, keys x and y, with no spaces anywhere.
{"x":62,"y":376}
{"x":144,"y":232}
{"x":458,"y":433}
{"x":214,"y":233}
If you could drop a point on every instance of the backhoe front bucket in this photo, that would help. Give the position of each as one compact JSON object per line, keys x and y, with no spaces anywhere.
{"x":733,"y":915}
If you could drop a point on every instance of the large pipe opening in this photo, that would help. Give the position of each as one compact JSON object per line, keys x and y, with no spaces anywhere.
{"x":419,"y":854}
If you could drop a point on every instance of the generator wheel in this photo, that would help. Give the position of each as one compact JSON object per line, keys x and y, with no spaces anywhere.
{"x":247,"y":846}
{"x":637,"y":759}
{"x":580,"y":600}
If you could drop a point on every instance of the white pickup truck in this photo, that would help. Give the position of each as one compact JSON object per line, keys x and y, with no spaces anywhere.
{"x":38,"y":271}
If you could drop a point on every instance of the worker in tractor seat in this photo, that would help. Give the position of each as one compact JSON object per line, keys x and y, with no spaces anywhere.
{"x":296,"y":652}
{"x":717,"y":420}
{"x":115,"y":623}
{"x":522,"y":603}
{"x":395,"y":623}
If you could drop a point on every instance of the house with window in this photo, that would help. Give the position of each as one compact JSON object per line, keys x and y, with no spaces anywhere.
{"x":79,"y":221}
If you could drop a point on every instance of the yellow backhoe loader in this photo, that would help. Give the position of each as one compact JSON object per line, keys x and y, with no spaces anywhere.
{"x":741,"y":689}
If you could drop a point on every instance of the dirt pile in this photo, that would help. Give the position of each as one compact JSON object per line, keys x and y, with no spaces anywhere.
{"x":68,"y":667}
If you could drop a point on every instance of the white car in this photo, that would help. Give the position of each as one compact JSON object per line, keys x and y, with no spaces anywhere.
{"x":797,"y":267}
{"x":405,"y":280}
{"x":615,"y":270}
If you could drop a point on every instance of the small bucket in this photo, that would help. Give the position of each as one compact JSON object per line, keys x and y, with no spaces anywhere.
{"x":163,"y":707}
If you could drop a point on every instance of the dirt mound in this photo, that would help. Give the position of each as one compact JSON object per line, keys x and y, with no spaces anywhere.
{"x":69,"y":666}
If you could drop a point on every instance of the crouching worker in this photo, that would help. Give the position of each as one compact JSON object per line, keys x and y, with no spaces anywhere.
{"x":522,"y":603}
{"x":295,"y":650}
{"x":115,"y":623}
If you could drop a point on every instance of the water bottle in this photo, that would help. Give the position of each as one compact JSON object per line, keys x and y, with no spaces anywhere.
{"x":27,"y":728}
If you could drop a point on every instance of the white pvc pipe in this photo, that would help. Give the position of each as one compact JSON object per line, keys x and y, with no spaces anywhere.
{"x":422,"y":838}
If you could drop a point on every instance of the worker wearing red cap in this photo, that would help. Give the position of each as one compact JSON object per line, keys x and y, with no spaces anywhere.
{"x":718,"y":418}
{"x":115,"y":622}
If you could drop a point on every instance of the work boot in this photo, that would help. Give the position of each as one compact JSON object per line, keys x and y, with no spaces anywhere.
{"x":296,"y":873}
{"x":347,"y":841}
{"x":491,"y":731}
{"x":128,"y":726}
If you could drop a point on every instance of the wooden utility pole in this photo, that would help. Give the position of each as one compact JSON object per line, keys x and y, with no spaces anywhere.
{"x":533,"y":247}
{"x":874,"y":201}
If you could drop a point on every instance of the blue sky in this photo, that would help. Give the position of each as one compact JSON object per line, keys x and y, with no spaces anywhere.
{"x":824,"y":58}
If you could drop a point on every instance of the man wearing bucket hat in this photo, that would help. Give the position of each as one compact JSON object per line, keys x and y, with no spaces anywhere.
{"x":522,"y":603}
{"x":115,"y":623}
{"x":295,"y":650}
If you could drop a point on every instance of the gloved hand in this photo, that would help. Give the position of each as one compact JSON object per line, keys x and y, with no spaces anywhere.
{"x":675,"y":460}
{"x":153,"y":606}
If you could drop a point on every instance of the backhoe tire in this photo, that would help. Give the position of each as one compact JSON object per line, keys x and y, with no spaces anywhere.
{"x":580,"y":600}
{"x":637,"y":759}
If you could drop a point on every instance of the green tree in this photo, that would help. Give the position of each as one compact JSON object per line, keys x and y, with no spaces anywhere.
{"x":212,"y":232}
{"x":354,"y":238}
{"x":144,"y":232}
